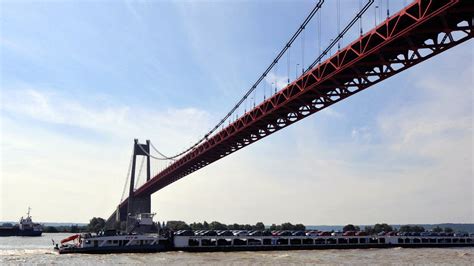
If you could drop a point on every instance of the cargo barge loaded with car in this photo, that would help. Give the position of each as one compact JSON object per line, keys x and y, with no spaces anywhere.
{"x":226,"y":240}
{"x":288,"y":240}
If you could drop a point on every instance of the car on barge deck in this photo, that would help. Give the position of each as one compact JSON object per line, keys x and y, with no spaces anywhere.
{"x":200,"y":243}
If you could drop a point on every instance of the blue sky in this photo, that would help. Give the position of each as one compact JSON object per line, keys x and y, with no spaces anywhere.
{"x":81,"y":79}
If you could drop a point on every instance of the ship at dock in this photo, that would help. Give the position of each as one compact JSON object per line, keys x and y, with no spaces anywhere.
{"x":25,"y":227}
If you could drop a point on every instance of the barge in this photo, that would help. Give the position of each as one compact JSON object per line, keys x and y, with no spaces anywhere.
{"x":145,"y":243}
{"x":137,"y":240}
{"x":250,"y":243}
{"x":133,"y":241}
{"x":105,"y":244}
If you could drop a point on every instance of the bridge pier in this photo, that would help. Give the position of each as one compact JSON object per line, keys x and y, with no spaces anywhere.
{"x":137,"y":205}
{"x":124,"y":214}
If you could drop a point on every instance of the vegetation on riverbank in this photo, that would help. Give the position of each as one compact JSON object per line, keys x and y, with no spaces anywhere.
{"x":180,"y":225}
{"x":97,"y":224}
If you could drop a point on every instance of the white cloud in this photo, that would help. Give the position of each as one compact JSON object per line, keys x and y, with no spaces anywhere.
{"x":361,"y":134}
{"x":117,"y":121}
{"x":44,"y":157}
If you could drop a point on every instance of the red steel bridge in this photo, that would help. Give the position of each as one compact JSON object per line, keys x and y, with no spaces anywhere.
{"x":421,"y":30}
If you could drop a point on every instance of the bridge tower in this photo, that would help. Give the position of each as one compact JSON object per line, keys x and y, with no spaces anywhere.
{"x":141,"y":204}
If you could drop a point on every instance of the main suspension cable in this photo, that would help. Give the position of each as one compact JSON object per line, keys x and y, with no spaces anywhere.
{"x":151,"y":156}
{"x":160,"y":153}
{"x":302,"y":53}
{"x":320,"y":48}
{"x":288,"y":57}
{"x":254,"y":86}
{"x":360,"y":20}
{"x":338,"y":7}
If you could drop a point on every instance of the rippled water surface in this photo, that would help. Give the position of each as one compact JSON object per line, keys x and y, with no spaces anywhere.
{"x":14,"y":250}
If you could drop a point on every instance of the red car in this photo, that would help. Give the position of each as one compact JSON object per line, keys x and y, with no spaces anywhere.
{"x":349,"y":233}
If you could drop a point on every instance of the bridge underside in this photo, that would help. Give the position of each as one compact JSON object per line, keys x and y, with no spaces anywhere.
{"x":422,"y":30}
{"x":137,"y":205}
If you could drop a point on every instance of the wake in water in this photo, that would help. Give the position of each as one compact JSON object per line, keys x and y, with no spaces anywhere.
{"x":21,"y":252}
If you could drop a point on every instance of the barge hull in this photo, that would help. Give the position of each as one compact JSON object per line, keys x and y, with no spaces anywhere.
{"x":319,"y":247}
{"x":111,"y":250}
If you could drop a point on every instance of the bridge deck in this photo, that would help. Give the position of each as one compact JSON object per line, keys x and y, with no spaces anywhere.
{"x":423,"y":29}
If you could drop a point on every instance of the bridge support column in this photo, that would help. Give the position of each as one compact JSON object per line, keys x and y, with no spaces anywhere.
{"x":138,"y":204}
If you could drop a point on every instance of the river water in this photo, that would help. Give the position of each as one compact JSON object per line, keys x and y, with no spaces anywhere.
{"x":39,"y":250}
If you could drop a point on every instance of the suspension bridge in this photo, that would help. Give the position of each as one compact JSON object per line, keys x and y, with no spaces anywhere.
{"x":399,"y":40}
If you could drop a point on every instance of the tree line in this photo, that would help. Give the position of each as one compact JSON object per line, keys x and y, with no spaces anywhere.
{"x":378,"y":228}
{"x":65,"y":229}
{"x":181,"y":225}
{"x":95,"y":225}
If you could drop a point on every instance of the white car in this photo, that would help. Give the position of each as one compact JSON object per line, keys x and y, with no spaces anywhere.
{"x":241,"y":233}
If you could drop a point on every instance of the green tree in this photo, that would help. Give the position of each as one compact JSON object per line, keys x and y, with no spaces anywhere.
{"x":418,"y":229}
{"x":196,"y":226}
{"x":259,"y":226}
{"x":437,"y":229}
{"x":299,"y":227}
{"x":273,"y":227}
{"x":177,"y":225}
{"x":96,"y":224}
{"x":205,"y":225}
{"x":74,"y":229}
{"x":217,"y":226}
{"x":349,"y":227}
{"x":232,"y":226}
{"x":50,"y":229}
{"x":405,"y":228}
{"x":287,"y":226}
{"x":382,"y":228}
{"x":448,"y":230}
{"x":412,"y":229}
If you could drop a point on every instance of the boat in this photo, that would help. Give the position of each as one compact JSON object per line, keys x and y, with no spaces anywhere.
{"x":111,"y":241}
{"x":134,"y":243}
{"x":135,"y":240}
{"x":26,"y":227}
{"x":108,"y":242}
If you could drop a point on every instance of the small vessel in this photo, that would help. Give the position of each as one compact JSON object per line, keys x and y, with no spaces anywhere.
{"x":111,"y":241}
{"x":26,"y":227}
